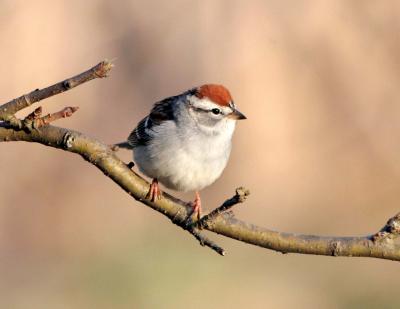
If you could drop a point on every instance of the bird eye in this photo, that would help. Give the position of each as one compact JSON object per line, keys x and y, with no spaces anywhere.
{"x":216,"y":111}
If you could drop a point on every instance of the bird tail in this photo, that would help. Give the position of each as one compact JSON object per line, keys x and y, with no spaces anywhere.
{"x":123,"y":145}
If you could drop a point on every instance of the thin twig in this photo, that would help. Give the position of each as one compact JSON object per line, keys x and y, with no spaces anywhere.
{"x":34,"y":121}
{"x":182,"y":222}
{"x":8,"y":110}
{"x":34,"y":115}
{"x":204,"y":241}
{"x":239,"y":197}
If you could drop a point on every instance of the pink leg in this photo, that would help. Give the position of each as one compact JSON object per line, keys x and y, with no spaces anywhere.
{"x":197,"y":206}
{"x":154,"y":191}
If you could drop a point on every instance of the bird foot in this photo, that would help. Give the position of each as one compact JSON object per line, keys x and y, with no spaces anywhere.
{"x":196,"y":210}
{"x":154,"y":191}
{"x":197,"y":206}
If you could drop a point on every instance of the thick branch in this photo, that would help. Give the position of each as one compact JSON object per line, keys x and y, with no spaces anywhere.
{"x":104,"y":158}
{"x":379,"y":245}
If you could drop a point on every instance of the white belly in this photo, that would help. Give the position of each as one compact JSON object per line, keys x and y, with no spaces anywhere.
{"x":184,"y":163}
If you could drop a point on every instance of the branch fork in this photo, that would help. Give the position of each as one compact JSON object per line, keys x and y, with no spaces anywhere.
{"x":35,"y":121}
{"x":239,"y":197}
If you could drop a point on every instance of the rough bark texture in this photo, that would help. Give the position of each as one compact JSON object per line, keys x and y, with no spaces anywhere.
{"x":221,"y":221}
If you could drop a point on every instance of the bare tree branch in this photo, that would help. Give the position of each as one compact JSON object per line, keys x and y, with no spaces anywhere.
{"x":8,"y":110}
{"x":35,"y":121}
{"x":379,"y":245}
{"x":240,"y":196}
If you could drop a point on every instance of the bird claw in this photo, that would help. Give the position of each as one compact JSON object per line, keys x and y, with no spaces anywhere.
{"x":196,"y":211}
{"x":154,"y":192}
{"x":197,"y":206}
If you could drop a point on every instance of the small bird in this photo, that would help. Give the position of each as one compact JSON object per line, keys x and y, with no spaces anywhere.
{"x":185,"y":141}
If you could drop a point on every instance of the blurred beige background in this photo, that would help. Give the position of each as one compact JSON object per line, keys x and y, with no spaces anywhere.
{"x":318,"y":81}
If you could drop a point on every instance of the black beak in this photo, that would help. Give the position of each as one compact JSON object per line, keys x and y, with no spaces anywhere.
{"x":237,"y":115}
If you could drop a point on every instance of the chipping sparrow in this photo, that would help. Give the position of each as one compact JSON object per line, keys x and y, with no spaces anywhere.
{"x":185,"y":141}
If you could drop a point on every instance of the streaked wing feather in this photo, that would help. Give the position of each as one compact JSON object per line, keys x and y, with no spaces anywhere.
{"x":161,"y":111}
{"x":139,"y":135}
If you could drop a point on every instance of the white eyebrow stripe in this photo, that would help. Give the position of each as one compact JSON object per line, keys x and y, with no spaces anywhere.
{"x":207,"y":105}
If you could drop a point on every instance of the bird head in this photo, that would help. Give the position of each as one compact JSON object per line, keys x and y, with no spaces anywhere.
{"x":211,"y":104}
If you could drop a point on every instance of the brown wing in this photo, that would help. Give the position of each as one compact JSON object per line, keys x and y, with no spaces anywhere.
{"x":162,"y":111}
